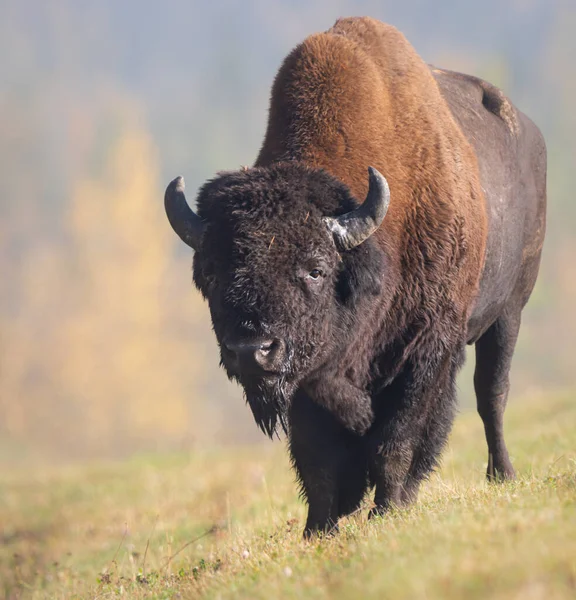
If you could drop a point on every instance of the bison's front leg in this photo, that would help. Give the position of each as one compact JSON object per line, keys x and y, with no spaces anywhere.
{"x":411,"y":430}
{"x":389,"y":470}
{"x":330,"y":462}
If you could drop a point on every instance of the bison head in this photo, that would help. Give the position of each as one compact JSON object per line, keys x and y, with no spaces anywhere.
{"x":285,"y":260}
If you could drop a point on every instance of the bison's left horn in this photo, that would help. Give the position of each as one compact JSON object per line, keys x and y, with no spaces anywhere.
{"x":351,"y":229}
{"x":185,"y":222}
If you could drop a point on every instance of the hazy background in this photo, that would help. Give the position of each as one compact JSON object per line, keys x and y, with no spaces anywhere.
{"x":105,"y":347}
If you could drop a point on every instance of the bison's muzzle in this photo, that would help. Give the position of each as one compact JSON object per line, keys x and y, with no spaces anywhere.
{"x":254,"y":357}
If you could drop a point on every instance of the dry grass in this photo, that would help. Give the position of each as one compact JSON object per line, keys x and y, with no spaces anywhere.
{"x":228,"y":524}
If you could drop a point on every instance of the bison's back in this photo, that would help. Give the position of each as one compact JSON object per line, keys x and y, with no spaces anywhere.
{"x":511,"y":157}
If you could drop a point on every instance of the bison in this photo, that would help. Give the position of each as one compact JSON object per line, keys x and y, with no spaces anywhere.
{"x":346,"y":321}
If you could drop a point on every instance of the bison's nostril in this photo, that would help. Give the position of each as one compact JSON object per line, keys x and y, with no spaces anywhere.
{"x":266,"y":347}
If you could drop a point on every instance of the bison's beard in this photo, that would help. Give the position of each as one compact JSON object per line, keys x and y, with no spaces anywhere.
{"x":269,"y":400}
{"x":269,"y":395}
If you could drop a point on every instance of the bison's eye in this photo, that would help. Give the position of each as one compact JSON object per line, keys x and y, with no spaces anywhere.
{"x":315,"y":274}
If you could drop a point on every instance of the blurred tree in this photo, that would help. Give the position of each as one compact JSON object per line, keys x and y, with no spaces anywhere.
{"x":93,"y":353}
{"x":120,"y":359}
{"x":104,"y":344}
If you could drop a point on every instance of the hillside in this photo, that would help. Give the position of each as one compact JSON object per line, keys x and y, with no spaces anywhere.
{"x":227,"y":524}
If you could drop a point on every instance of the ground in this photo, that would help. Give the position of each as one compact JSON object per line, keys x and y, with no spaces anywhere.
{"x":227,"y":524}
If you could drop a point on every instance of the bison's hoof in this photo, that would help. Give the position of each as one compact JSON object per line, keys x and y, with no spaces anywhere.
{"x":499,"y":469}
{"x":315,"y":532}
{"x":499,"y":475}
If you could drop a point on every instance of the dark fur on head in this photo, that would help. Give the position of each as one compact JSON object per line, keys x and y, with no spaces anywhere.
{"x":264,"y":234}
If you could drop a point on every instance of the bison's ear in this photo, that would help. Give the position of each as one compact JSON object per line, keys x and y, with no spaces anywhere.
{"x":362,"y":273}
{"x":351,"y":229}
{"x":185,"y":222}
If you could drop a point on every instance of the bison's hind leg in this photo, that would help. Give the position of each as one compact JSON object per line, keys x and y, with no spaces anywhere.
{"x":494,"y":352}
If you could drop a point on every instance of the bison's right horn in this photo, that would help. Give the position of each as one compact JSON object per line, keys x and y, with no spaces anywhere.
{"x":351,"y":229}
{"x":185,"y":222}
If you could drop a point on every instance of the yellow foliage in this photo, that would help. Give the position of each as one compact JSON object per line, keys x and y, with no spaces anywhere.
{"x":120,"y":359}
{"x":98,"y":354}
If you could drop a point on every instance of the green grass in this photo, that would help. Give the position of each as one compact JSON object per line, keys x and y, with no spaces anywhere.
{"x":228,"y":524}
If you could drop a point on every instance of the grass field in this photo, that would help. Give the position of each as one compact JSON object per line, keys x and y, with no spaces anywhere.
{"x":228,"y":523}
